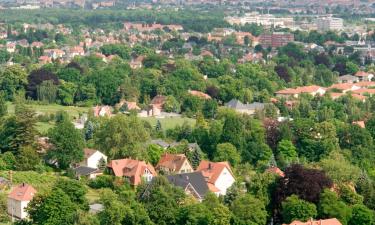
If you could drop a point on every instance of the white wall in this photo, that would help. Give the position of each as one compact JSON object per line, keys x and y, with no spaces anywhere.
{"x":94,"y":159}
{"x":17,"y":208}
{"x":224,"y":181}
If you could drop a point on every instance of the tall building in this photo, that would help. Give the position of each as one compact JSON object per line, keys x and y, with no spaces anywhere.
{"x":329,"y":23}
{"x":276,"y":39}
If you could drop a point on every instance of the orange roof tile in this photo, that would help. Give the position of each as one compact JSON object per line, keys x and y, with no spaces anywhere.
{"x":212,"y":170}
{"x":173,"y":162}
{"x":275,"y":170}
{"x":332,"y":221}
{"x":200,"y":94}
{"x":359,"y":123}
{"x":23,"y":192}
{"x":361,"y":74}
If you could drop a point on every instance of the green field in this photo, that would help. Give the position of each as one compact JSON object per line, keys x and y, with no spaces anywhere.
{"x":168,"y":123}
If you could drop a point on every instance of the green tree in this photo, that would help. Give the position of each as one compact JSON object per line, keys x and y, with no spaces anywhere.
{"x":331,"y":207}
{"x":154,"y":153}
{"x":361,"y":215}
{"x":248,"y":210}
{"x":27,"y":158}
{"x":3,"y":106}
{"x":67,"y":144}
{"x":55,"y":208}
{"x":47,"y":91}
{"x":227,"y":152}
{"x":13,"y":80}
{"x":287,"y":151}
{"x":294,"y":208}
{"x":75,"y":190}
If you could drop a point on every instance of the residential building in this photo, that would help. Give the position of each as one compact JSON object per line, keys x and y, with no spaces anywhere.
{"x":276,"y":39}
{"x":174,"y":163}
{"x":218,"y":175}
{"x":199,"y":94}
{"x":295,"y":92}
{"x":133,"y":170}
{"x":93,"y":158}
{"x":332,"y":221}
{"x":102,"y":111}
{"x":249,"y":109}
{"x":275,"y":170}
{"x":18,"y":200}
{"x":329,"y":23}
{"x":194,"y":184}
{"x":344,"y":87}
{"x":364,"y":76}
{"x":347,"y":79}
{"x":156,"y":105}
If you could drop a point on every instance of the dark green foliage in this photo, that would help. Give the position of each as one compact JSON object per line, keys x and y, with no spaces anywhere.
{"x":294,"y":208}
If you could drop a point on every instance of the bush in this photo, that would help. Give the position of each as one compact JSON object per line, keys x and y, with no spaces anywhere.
{"x":103,"y":181}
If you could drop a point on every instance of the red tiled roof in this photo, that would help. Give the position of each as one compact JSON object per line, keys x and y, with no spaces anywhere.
{"x":342,"y":86}
{"x":332,"y":221}
{"x":361,"y":74}
{"x":365,"y":84}
{"x":359,"y":123}
{"x":22,"y":192}
{"x":200,"y":94}
{"x":131,"y":168}
{"x":173,"y":162}
{"x":89,"y":152}
{"x":298,"y":90}
{"x":275,"y":170}
{"x":364,"y":91}
{"x":212,"y":170}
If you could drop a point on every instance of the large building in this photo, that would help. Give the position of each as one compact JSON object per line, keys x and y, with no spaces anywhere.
{"x":329,"y":23}
{"x":276,"y":39}
{"x":267,"y":20}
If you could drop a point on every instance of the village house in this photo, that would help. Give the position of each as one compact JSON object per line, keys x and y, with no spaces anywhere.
{"x":11,"y":47}
{"x":249,"y":109}
{"x":344,"y":87}
{"x":364,"y":91}
{"x":364,"y":76}
{"x":275,"y":170}
{"x":295,"y":92}
{"x":18,"y":199}
{"x":174,"y":163}
{"x":37,"y":44}
{"x":54,"y":53}
{"x":156,"y":105}
{"x":332,"y":221}
{"x":127,"y":105}
{"x":199,"y":94}
{"x":194,"y":184}
{"x":335,"y":96}
{"x":76,"y":51}
{"x":134,"y":171}
{"x":44,"y":59}
{"x":347,"y":79}
{"x":93,"y":158}
{"x":218,"y":175}
{"x":102,"y":111}
{"x":137,"y":62}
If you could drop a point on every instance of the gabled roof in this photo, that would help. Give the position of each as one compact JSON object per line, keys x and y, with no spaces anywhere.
{"x":212,"y":170}
{"x":158,"y":100}
{"x":89,"y":152}
{"x":173,"y":162}
{"x":199,"y":94}
{"x":23,"y":192}
{"x":348,"y":77}
{"x":275,"y":170}
{"x":298,"y":90}
{"x":84,"y":170}
{"x":236,"y":104}
{"x":332,"y":221}
{"x":343,"y":86}
{"x":195,"y":179}
{"x":131,"y":168}
{"x":362,"y":74}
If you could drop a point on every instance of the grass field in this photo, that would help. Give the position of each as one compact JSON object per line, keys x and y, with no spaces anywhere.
{"x":74,"y":112}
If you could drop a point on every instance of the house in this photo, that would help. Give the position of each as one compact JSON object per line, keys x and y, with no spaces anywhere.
{"x":165,"y":145}
{"x":137,"y":62}
{"x":360,"y":123}
{"x":218,"y":175}
{"x":347,"y":79}
{"x":44,"y":59}
{"x":89,"y":172}
{"x":332,"y":221}
{"x":174,"y":163}
{"x":364,"y":76}
{"x":364,"y":91}
{"x":275,"y":170}
{"x":11,"y":47}
{"x":194,"y":184}
{"x":18,"y":199}
{"x":344,"y":87}
{"x":200,"y":94}
{"x":76,"y":51}
{"x":128,"y":105}
{"x":133,"y":170}
{"x":156,"y":105}
{"x":93,"y":158}
{"x":249,"y":109}
{"x":102,"y":111}
{"x":295,"y":92}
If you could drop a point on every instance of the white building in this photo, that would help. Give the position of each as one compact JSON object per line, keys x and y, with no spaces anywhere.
{"x":18,"y":199}
{"x":93,"y":158}
{"x":329,"y":23}
{"x":262,"y":19}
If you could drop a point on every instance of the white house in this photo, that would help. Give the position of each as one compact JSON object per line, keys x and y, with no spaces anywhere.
{"x":93,"y":158}
{"x":18,"y":199}
{"x":364,"y":76}
{"x":218,"y":175}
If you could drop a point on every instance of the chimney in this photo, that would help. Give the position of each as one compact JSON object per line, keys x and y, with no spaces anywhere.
{"x":209,"y":166}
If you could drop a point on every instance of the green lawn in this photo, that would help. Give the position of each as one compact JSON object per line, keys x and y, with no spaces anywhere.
{"x":168,"y":123}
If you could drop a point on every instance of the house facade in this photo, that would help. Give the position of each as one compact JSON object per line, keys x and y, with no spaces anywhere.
{"x":93,"y":158}
{"x":18,"y":200}
{"x":174,"y":163}
{"x":218,"y":175}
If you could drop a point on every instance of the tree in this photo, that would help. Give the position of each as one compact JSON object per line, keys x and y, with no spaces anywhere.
{"x":154,"y":153}
{"x":227,"y":152}
{"x":114,"y":211}
{"x":13,"y":80}
{"x":122,"y":136}
{"x":3,"y":106}
{"x":47,"y":91}
{"x":55,"y":208}
{"x":331,"y":207}
{"x":294,"y":208}
{"x":75,"y":190}
{"x":36,"y":78}
{"x":67,"y":144}
{"x":27,"y":158}
{"x":221,"y":214}
{"x":195,"y":214}
{"x":287,"y":151}
{"x":361,"y":215}
{"x":248,"y":210}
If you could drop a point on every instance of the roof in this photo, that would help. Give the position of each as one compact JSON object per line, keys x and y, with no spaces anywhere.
{"x":200,"y":94}
{"x":298,"y":90}
{"x":89,"y":152}
{"x":364,"y":91}
{"x":348,"y":77}
{"x":173,"y":162}
{"x":365,"y":84}
{"x":23,"y":192}
{"x":275,"y":170}
{"x":343,"y":86}
{"x":236,"y":104}
{"x":131,"y":168}
{"x":159,"y":100}
{"x":359,"y":123}
{"x":212,"y":170}
{"x":195,"y":179}
{"x":332,"y":221}
{"x":84,"y":170}
{"x":362,"y":74}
